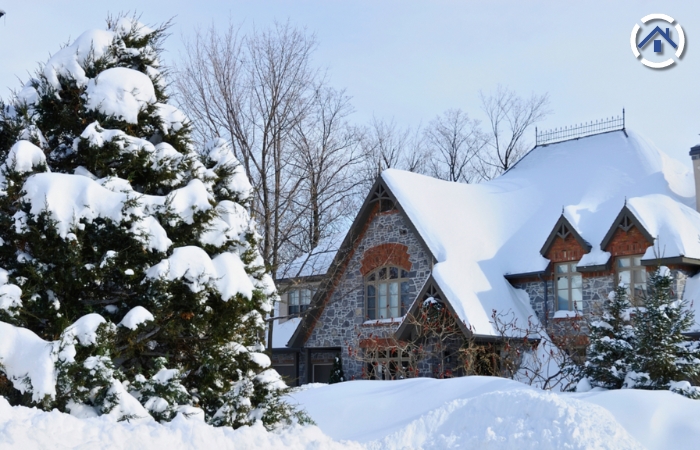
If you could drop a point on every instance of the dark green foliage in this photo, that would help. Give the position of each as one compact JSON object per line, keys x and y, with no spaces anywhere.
{"x":612,"y":343}
{"x":663,"y":354}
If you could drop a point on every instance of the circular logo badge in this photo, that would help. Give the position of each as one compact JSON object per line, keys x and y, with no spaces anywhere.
{"x":659,"y":37}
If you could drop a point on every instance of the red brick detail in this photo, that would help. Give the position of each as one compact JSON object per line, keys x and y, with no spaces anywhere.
{"x":563,"y":250}
{"x":631,"y":242}
{"x":385,"y":255}
{"x":376,"y":342}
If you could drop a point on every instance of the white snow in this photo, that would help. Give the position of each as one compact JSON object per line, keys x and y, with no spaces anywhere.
{"x":315,"y":262}
{"x":496,"y":228}
{"x":70,"y":199}
{"x":676,"y":227}
{"x":32,"y":429}
{"x":135,"y":317}
{"x":225,"y":271}
{"x":495,"y":413}
{"x":173,"y":119}
{"x":68,"y":62}
{"x":120,"y":92}
{"x":28,"y":361}
{"x":24,"y":156}
{"x":282,"y":332}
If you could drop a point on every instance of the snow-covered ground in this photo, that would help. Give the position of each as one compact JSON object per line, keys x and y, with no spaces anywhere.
{"x":495,"y":413}
{"x":470,"y":412}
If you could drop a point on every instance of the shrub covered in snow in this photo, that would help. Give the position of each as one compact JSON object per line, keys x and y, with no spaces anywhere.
{"x":646,"y":350}
{"x":130,"y":281}
{"x":612,"y":343}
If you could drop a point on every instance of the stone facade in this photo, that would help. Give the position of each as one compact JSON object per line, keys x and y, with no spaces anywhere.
{"x":342,"y":323}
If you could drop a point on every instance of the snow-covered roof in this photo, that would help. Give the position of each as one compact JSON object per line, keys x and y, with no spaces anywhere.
{"x":315,"y":262}
{"x":282,"y":332}
{"x":480,"y":232}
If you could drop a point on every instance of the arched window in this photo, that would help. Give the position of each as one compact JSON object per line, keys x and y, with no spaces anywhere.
{"x":386,"y":293}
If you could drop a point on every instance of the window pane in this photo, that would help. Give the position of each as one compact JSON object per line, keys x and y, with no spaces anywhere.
{"x":372,"y":277}
{"x":293,"y":297}
{"x":637,"y":260}
{"x":404,"y":274}
{"x":371,"y":302}
{"x":640,"y":276}
{"x":625,"y":277}
{"x":624,"y":262}
{"x":382,"y":273}
{"x":563,"y":301}
{"x":305,"y":297}
{"x":405,"y":298}
{"x":393,"y":273}
{"x":382,"y":300}
{"x":577,"y":299}
{"x":562,"y":268}
{"x":576,"y":282}
{"x":394,"y":299}
{"x":562,"y":283}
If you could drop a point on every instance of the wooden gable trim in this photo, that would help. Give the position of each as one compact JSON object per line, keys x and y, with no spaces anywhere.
{"x":370,"y":207}
{"x":430,"y":289}
{"x":624,"y":221}
{"x":563,"y":229}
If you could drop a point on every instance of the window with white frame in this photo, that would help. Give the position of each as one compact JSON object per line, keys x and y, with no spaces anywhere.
{"x":569,"y":286}
{"x":633,"y":274}
{"x":298,"y":300}
{"x":386,"y":293}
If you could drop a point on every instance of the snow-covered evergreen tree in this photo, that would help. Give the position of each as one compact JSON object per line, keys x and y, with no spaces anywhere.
{"x":663,"y":355}
{"x":612,"y":343}
{"x":127,"y":256}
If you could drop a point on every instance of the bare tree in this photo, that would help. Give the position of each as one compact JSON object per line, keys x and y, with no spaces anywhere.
{"x":509,"y":117}
{"x":254,"y":91}
{"x":455,"y":142}
{"x":327,"y":158}
{"x":386,"y":146}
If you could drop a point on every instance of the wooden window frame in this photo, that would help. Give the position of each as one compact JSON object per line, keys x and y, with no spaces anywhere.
{"x":569,"y":274}
{"x":389,"y":363}
{"x":636,"y":299}
{"x":380,"y":279}
{"x":302,"y":299}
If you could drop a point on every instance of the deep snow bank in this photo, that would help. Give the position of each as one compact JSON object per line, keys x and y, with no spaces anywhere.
{"x":495,"y":413}
{"x":26,"y":429}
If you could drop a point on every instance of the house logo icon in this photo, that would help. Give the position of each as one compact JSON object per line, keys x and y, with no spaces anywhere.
{"x":660,"y":37}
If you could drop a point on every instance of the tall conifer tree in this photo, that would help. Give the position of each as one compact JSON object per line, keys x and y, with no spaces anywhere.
{"x":127,"y":249}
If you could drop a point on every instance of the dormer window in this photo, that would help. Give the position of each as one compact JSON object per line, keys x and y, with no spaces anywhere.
{"x":633,"y":274}
{"x":386,"y":293}
{"x":569,"y":286}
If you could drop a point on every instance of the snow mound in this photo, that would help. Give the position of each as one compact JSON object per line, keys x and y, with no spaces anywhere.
{"x":120,"y":92}
{"x":69,"y":61}
{"x":522,"y":419}
{"x":135,"y":317}
{"x":25,"y":156}
{"x":29,"y":428}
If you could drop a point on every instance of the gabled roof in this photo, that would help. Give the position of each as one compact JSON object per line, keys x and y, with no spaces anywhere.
{"x":314,"y":263}
{"x":563,"y":229}
{"x":625,"y":220}
{"x":378,"y":193}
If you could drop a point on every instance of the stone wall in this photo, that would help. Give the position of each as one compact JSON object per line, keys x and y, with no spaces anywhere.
{"x":342,"y":322}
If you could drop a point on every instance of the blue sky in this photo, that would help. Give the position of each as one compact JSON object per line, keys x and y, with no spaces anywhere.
{"x":411,"y":60}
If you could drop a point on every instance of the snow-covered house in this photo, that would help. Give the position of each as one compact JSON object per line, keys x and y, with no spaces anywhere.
{"x":550,"y":237}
